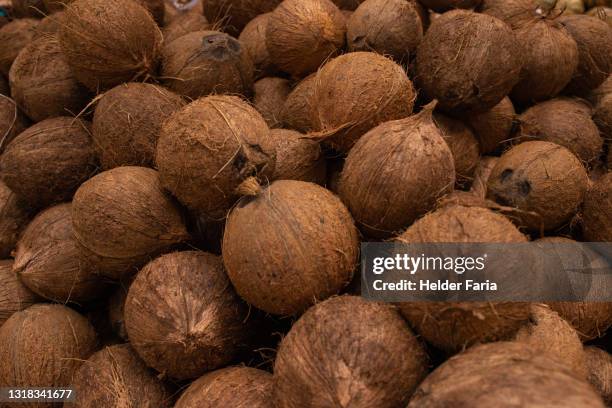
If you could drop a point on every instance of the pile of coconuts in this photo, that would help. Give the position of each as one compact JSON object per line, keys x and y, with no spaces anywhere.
{"x":185,"y":185}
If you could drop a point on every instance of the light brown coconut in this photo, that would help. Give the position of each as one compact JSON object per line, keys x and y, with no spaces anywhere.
{"x":50,"y":25}
{"x":599,"y":364}
{"x":265,"y":232}
{"x":299,"y":106}
{"x":183,"y":24}
{"x":356,"y":92}
{"x":123,"y":217}
{"x":47,"y":162}
{"x":302,"y":34}
{"x":253,"y":39}
{"x":270,"y":96}
{"x":155,"y":7}
{"x":127,"y":122}
{"x":597,"y":211}
{"x":590,"y":319}
{"x":494,"y":126}
{"x":603,"y":13}
{"x":116,"y":377}
{"x":319,"y":365}
{"x":229,"y":387}
{"x":29,"y":8}
{"x":441,"y":6}
{"x":233,"y":15}
{"x":102,"y":58}
{"x":183,"y":317}
{"x":298,"y":158}
{"x":12,"y":121}
{"x":463,"y":145}
{"x":481,"y":175}
{"x":13,"y":37}
{"x":209,"y":147}
{"x":14,"y":295}
{"x":14,"y":216}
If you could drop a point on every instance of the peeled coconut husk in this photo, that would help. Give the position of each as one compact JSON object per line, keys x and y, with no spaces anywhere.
{"x":494,"y":126}
{"x":463,"y":146}
{"x":599,"y":365}
{"x":270,"y":96}
{"x":302,"y":34}
{"x":14,"y":295}
{"x":229,"y":387}
{"x":298,"y":158}
{"x":289,"y":217}
{"x":468,"y":61}
{"x":14,"y":216}
{"x":441,"y":6}
{"x":209,"y":147}
{"x":155,"y":7}
{"x":504,"y":374}
{"x":253,"y":39}
{"x":29,"y":8}
{"x":102,"y":58}
{"x":481,"y":175}
{"x":233,"y":15}
{"x":47,"y":162}
{"x":14,"y":36}
{"x":183,"y":317}
{"x":299,"y":106}
{"x":127,"y":122}
{"x":319,"y":365}
{"x":356,"y":92}
{"x":12,"y":121}
{"x":183,"y":24}
{"x":597,"y":211}
{"x":207,"y":62}
{"x":603,"y":13}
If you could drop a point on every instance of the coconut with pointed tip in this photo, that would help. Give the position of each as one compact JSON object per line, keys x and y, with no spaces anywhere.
{"x":233,"y":15}
{"x":463,"y":145}
{"x":253,"y":39}
{"x":14,"y":216}
{"x":270,"y":96}
{"x":298,"y":158}
{"x":14,"y":295}
{"x":184,"y":24}
{"x":597,"y":211}
{"x":12,"y":121}
{"x":14,"y":36}
{"x":297,"y":110}
{"x":494,"y":126}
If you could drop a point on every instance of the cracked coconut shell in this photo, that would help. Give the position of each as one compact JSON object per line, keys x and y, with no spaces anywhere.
{"x":12,"y":121}
{"x":234,"y":15}
{"x":345,"y":352}
{"x":441,"y":6}
{"x":599,"y":364}
{"x":253,"y":39}
{"x":266,"y":230}
{"x":14,"y":296}
{"x":299,"y":106}
{"x":494,"y":126}
{"x":597,"y":211}
{"x":14,"y":36}
{"x":14,"y":216}
{"x":184,"y":24}
{"x":298,"y":158}
{"x":270,"y":96}
{"x":463,"y":145}
{"x":183,"y":317}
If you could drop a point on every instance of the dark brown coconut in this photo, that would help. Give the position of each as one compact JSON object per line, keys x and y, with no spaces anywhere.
{"x":253,"y":39}
{"x":590,"y":319}
{"x":603,"y":116}
{"x":4,"y":86}
{"x":517,"y":12}
{"x":101,"y":57}
{"x":207,"y":62}
{"x":209,"y":147}
{"x":233,"y":15}
{"x":302,"y":34}
{"x":468,"y":61}
{"x":229,"y":387}
{"x":298,"y":158}
{"x":13,"y":37}
{"x":599,"y":364}
{"x":289,"y":218}
{"x":493,"y":126}
{"x":319,"y":365}
{"x":12,"y":121}
{"x":14,"y":216}
{"x":441,"y":6}
{"x":29,"y":8}
{"x":115,"y":311}
{"x":47,"y":162}
{"x":14,"y":296}
{"x":299,"y":106}
{"x":183,"y":317}
{"x":127,"y":122}
{"x":184,"y":24}
{"x":463,"y":145}
{"x":270,"y":96}
{"x":155,"y":7}
{"x":356,"y":92}
{"x":481,"y":176}
{"x":597,"y":211}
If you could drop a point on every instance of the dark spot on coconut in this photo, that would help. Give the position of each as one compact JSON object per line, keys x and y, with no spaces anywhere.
{"x":525,"y":187}
{"x":506,"y":174}
{"x":220,"y":46}
{"x":240,"y":161}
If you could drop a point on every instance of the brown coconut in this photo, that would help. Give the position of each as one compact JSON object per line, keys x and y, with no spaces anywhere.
{"x":599,"y":364}
{"x":298,"y":158}
{"x":319,"y":365}
{"x":233,"y":15}
{"x":270,"y":96}
{"x":468,"y":61}
{"x":50,"y":25}
{"x":4,"y":86}
{"x":597,"y":211}
{"x":183,"y":24}
{"x":209,"y":147}
{"x":356,"y":92}
{"x":47,"y":162}
{"x":155,"y":7}
{"x":14,"y":295}
{"x":29,"y":8}
{"x":302,"y":34}
{"x":348,"y":5}
{"x":265,"y":232}
{"x":14,"y":36}
{"x":463,"y":145}
{"x":101,"y":57}
{"x":127,"y":122}
{"x":12,"y":121}
{"x":207,"y":62}
{"x":115,"y":311}
{"x":603,"y":13}
{"x":494,"y":126}
{"x":590,"y":319}
{"x":299,"y":105}
{"x":253,"y":39}
{"x":229,"y":387}
{"x":183,"y":317}
{"x":602,"y":116}
{"x":14,"y":216}
{"x":481,"y":176}
{"x":441,"y":6}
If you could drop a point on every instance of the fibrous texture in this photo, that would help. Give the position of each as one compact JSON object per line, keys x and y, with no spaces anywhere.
{"x":14,"y":296}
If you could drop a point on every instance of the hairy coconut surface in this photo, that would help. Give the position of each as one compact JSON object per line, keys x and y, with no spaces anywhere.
{"x":298,"y":158}
{"x":12,"y":121}
{"x":47,"y":162}
{"x":270,"y":96}
{"x":301,"y":240}
{"x":155,"y":7}
{"x":127,"y":122}
{"x":597,"y":210}
{"x":602,"y":115}
{"x":481,"y":175}
{"x":50,"y":25}
{"x":299,"y":106}
{"x":494,"y":126}
{"x":183,"y":317}
{"x":253,"y":39}
{"x":341,"y":353}
{"x":14,"y":216}
{"x":29,"y":8}
{"x":590,"y":319}
{"x":184,"y":24}
{"x":603,"y":13}
{"x":302,"y":34}
{"x":209,"y":147}
{"x":441,"y":6}
{"x":123,"y":217}
{"x":233,"y":15}
{"x":14,"y":295}
{"x":463,"y":145}
{"x":13,"y":37}
{"x":516,"y":12}
{"x":599,"y":364}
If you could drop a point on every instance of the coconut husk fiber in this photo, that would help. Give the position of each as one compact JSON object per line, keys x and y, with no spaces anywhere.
{"x":29,"y":8}
{"x":481,"y":175}
{"x":494,"y":126}
{"x":233,"y":15}
{"x":603,"y":13}
{"x":299,"y":106}
{"x":270,"y":96}
{"x":50,"y":25}
{"x":298,"y":158}
{"x":14,"y":295}
{"x":12,"y":121}
{"x":184,"y":24}
{"x":597,"y":211}
{"x":14,"y":216}
{"x":155,"y":7}
{"x":599,"y":364}
{"x":253,"y":39}
{"x":463,"y":145}
{"x":13,"y":37}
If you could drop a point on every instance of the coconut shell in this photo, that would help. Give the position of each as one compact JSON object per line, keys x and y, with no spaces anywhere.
{"x":299,"y":105}
{"x":597,"y":211}
{"x":599,"y":364}
{"x":229,"y":387}
{"x":253,"y":39}
{"x":590,"y":319}
{"x":302,"y":34}
{"x":342,"y":352}
{"x":14,"y":296}
{"x":13,"y":37}
{"x":29,"y":8}
{"x":286,"y":218}
{"x":14,"y":216}
{"x":270,"y":96}
{"x":493,"y":126}
{"x":463,"y":146}
{"x":226,"y":126}
{"x":233,"y":15}
{"x":481,"y":176}
{"x":184,"y":24}
{"x":603,"y":13}
{"x":298,"y":158}
{"x":101,"y":58}
{"x":183,"y":317}
{"x":12,"y":121}
{"x":127,"y":122}
{"x":441,"y":6}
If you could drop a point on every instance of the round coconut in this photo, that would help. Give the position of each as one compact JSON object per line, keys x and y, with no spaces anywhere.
{"x":299,"y":106}
{"x":47,"y":162}
{"x":463,"y":145}
{"x":599,"y":364}
{"x":29,"y":8}
{"x":115,"y":376}
{"x":14,"y":296}
{"x":481,"y":175}
{"x":302,"y":34}
{"x":288,"y":218}
{"x":183,"y":317}
{"x":517,"y":12}
{"x":319,"y":365}
{"x":155,"y":7}
{"x":494,"y":126}
{"x":441,"y":6}
{"x":543,"y":180}
{"x":184,"y":24}
{"x":127,"y":122}
{"x":14,"y":216}
{"x":233,"y":15}
{"x":50,"y":25}
{"x":602,"y":116}
{"x":504,"y":375}
{"x":590,"y":319}
{"x":207,"y":62}
{"x":102,"y":57}
{"x":468,"y":61}
{"x":209,"y":147}
{"x":603,"y":13}
{"x":270,"y":96}
{"x":229,"y":387}
{"x":12,"y":121}
{"x":597,"y":211}
{"x":13,"y":37}
{"x":115,"y":312}
{"x":253,"y":39}
{"x":42,"y":83}
{"x":298,"y":158}
{"x":356,"y":92}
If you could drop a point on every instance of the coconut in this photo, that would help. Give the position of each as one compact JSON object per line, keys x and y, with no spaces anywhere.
{"x":115,"y":376}
{"x":235,"y":14}
{"x":46,"y":163}
{"x":155,"y":7}
{"x":441,"y":6}
{"x":481,"y":176}
{"x":101,"y":57}
{"x":348,"y":5}
{"x":183,"y":317}
{"x":603,"y":116}
{"x":42,"y":83}
{"x":207,"y":62}
{"x":504,"y":375}
{"x":209,"y":147}
{"x":597,"y":211}
{"x":115,"y":312}
{"x":302,"y":34}
{"x":493,"y":126}
{"x":127,"y":122}
{"x":29,"y":8}
{"x":229,"y":387}
{"x":463,"y":146}
{"x":14,"y":296}
{"x":356,"y":92}
{"x":468,"y":61}
{"x":270,"y":96}
{"x":4,"y":86}
{"x":334,"y":172}
{"x":590,"y":319}
{"x":298,"y":158}
{"x":599,"y":364}
{"x":184,"y":24}
{"x":14,"y":216}
{"x":299,"y":105}
{"x":12,"y":121}
{"x":13,"y":37}
{"x":50,"y":25}
{"x":289,"y":217}
{"x":603,"y":13}
{"x":343,"y":352}
{"x":253,"y":39}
